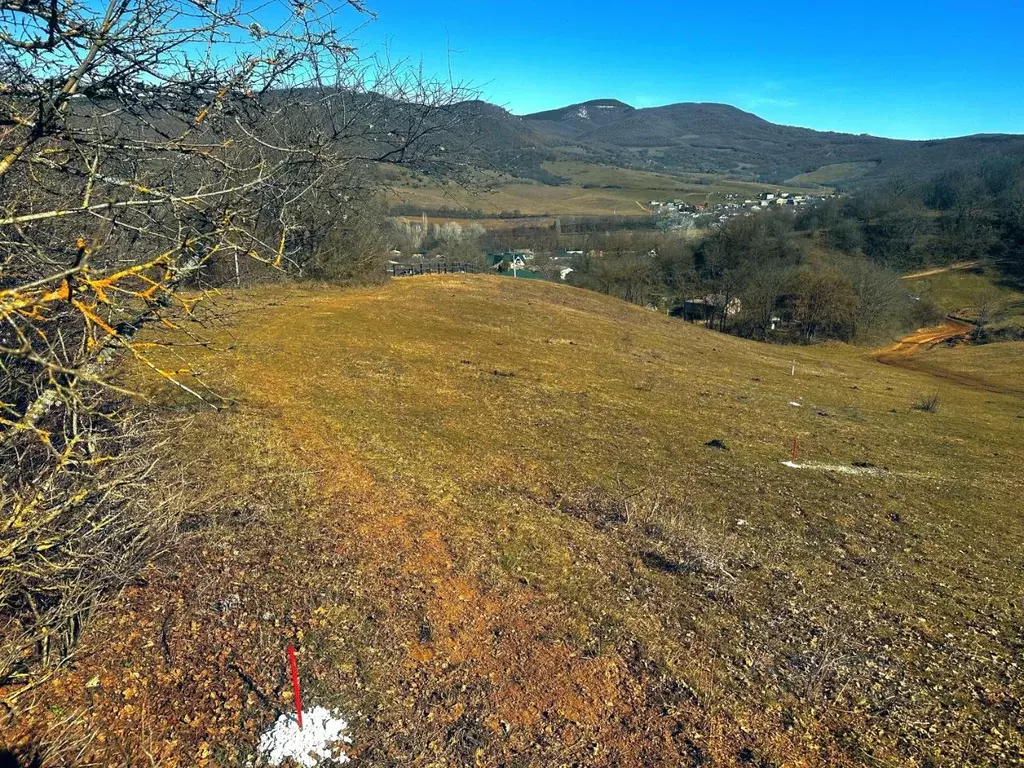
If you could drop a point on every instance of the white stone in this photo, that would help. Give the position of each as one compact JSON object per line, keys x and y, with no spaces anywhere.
{"x":321,"y":738}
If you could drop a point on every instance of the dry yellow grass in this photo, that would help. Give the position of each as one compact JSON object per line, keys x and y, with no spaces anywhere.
{"x":997,"y":367}
{"x":963,"y":291}
{"x":486,"y":511}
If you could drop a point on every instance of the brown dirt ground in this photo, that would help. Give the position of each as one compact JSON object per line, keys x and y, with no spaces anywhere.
{"x":941,"y":270}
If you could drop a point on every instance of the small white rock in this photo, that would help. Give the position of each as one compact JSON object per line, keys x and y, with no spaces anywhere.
{"x":319,"y":739}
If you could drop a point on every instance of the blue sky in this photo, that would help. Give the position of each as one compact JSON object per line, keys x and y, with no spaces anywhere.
{"x":904,"y":68}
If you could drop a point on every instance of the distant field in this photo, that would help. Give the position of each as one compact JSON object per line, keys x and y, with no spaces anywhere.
{"x":530,"y":198}
{"x":830,"y":174}
{"x":490,"y":223}
{"x":693,"y":188}
{"x":591,"y":189}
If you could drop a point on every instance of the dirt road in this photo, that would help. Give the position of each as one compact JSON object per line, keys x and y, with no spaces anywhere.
{"x":940,"y":270}
{"x":923,"y":338}
{"x":903,"y":355}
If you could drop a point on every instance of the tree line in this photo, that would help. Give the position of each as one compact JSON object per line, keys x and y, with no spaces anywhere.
{"x":960,"y":214}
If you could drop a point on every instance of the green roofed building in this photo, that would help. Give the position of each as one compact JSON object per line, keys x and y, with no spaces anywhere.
{"x":512,"y":264}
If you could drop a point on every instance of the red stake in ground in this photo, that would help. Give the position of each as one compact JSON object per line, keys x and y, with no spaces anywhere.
{"x":796,"y":442}
{"x":295,"y":683}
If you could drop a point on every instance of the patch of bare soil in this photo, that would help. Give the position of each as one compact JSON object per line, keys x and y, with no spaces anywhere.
{"x":903,"y":354}
{"x":942,"y":270}
{"x":923,"y":338}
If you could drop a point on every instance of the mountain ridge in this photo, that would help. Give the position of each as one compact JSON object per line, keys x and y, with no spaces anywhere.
{"x":548,"y":113}
{"x":714,"y":137}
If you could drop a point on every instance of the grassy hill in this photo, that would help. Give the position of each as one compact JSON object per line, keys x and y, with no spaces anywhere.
{"x":974,"y":290}
{"x":491,"y":516}
{"x":833,"y":173}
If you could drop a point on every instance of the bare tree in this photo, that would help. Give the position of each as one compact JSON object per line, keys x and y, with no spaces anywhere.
{"x":764,"y":286}
{"x":825,"y":303}
{"x":145,"y":144}
{"x":881,"y":307}
{"x":988,"y":305}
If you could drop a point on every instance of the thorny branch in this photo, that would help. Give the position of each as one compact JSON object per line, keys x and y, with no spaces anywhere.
{"x":149,"y":148}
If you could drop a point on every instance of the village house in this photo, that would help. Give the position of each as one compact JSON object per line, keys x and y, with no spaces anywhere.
{"x":704,"y":308}
{"x":508,"y":260}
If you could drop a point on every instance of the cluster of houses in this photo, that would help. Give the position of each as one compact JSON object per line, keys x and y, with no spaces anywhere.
{"x":520,"y":263}
{"x":782,"y":198}
{"x":678,"y":214}
{"x":676,"y":206}
{"x":514,"y":263}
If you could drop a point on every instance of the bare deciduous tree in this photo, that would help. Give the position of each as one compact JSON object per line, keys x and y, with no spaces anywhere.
{"x":144,"y":143}
{"x":825,"y":303}
{"x":763,"y":287}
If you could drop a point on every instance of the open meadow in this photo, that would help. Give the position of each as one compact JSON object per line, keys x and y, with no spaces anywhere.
{"x":515,"y":523}
{"x":589,"y":189}
{"x":430,"y":386}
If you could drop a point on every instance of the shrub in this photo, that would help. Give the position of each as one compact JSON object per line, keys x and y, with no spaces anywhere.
{"x":353,"y":250}
{"x":927,"y":403}
{"x":143,"y":144}
{"x":74,"y":530}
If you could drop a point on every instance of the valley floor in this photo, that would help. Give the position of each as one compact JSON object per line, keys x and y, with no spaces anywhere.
{"x":492,"y":517}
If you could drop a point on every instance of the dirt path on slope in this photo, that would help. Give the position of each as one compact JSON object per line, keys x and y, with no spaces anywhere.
{"x":433,"y":664}
{"x":941,"y":270}
{"x":441,"y":668}
{"x":904,"y":354}
{"x":923,"y":338}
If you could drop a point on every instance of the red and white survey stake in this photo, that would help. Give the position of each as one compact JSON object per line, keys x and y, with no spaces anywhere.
{"x":796,"y":443}
{"x":295,"y":683}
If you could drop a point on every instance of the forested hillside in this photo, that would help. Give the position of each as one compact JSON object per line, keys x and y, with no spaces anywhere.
{"x":719,"y":138}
